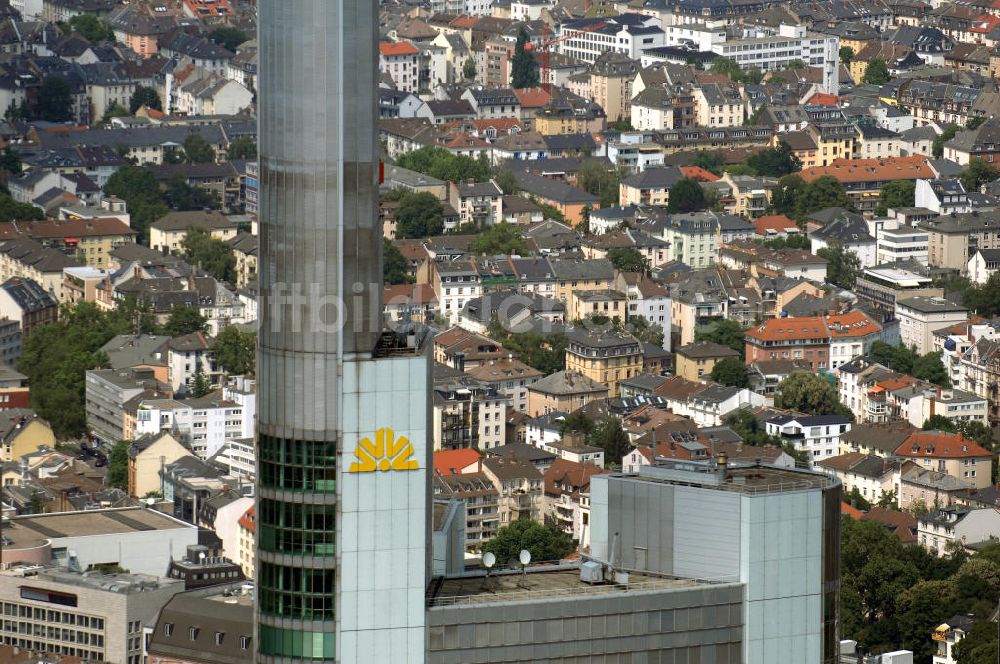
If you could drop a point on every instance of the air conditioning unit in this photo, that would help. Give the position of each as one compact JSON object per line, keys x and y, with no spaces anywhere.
{"x":592,"y":572}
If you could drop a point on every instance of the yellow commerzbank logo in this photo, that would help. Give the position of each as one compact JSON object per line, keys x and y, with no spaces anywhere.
{"x":385,"y":454}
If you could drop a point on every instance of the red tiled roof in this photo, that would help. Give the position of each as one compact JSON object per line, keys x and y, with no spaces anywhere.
{"x":409,"y":294}
{"x":823,"y":99}
{"x":940,"y":445}
{"x":851,"y":511}
{"x":464,"y":22}
{"x":873,"y":170}
{"x":801,"y":328}
{"x":571,"y":476}
{"x":699,"y":173}
{"x":778,"y":223}
{"x":451,"y":462}
{"x":985,"y":23}
{"x":532,"y":97}
{"x":398,"y":48}
{"x":247,"y":520}
{"x":851,"y":324}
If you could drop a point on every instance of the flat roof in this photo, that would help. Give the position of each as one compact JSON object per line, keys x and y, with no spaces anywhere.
{"x":36,"y":529}
{"x":542,"y":584}
{"x":752,"y":479}
{"x":900,"y":277}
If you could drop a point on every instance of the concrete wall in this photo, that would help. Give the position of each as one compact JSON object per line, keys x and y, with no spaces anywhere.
{"x":140,"y":552}
{"x":700,"y":624}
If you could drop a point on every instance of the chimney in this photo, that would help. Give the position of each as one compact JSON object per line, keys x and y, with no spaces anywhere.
{"x":722,"y":465}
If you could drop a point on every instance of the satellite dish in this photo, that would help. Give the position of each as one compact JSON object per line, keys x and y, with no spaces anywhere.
{"x":525,"y":556}
{"x":202,"y":555}
{"x":151,"y":501}
{"x":489,"y":560}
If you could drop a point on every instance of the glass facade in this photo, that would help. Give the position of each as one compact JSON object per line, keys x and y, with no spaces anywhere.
{"x":297,"y":465}
{"x":278,"y":642}
{"x":296,"y":528}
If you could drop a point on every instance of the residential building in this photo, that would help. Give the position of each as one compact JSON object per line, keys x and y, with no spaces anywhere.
{"x":563,"y":392}
{"x":23,"y":432}
{"x":805,"y":338}
{"x":519,"y":486}
{"x":607,"y":357}
{"x":467,"y":413}
{"x":954,"y":239}
{"x":146,"y":455}
{"x":905,"y":243}
{"x":958,"y":526}
{"x":248,"y":535}
{"x":983,"y":264}
{"x":695,"y":361}
{"x":778,"y":51}
{"x":510,"y":377}
{"x":880,"y":287}
{"x":213,"y":624}
{"x":480,"y":204}
{"x":873,"y":477}
{"x":567,"y":497}
{"x":949,"y":634}
{"x":25,"y":301}
{"x":481,"y":499}
{"x":108,"y":390}
{"x":718,"y":105}
{"x":627,"y":34}
{"x":920,"y":317}
{"x":949,"y":453}
{"x":167,"y":233}
{"x":817,"y":436}
{"x":864,"y":178}
{"x":851,"y":334}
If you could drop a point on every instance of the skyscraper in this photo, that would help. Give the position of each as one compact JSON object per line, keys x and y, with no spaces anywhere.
{"x":343,"y":494}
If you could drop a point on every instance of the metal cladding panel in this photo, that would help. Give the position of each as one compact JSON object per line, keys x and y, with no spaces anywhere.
{"x":706,"y":543}
{"x":383,"y":525}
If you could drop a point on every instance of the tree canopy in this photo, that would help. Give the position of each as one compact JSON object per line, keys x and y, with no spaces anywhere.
{"x":731,"y":371}
{"x":775,"y":162}
{"x":197,"y":150}
{"x":846,"y":54}
{"x":877,"y":72}
{"x":937,"y":146}
{"x":523,"y":68}
{"x":55,"y":99}
{"x":439,"y":163}
{"x":544,"y":352}
{"x":628,"y":259}
{"x":978,"y":173}
{"x":710,"y":161}
{"x":117,"y":476}
{"x":395,"y":269}
{"x":644,"y":331}
{"x":896,"y":194}
{"x":823,"y":192}
{"x":500,"y":239}
{"x":843,"y":265}
{"x":927,"y":367}
{"x":608,"y":435}
{"x":242,"y":147}
{"x":235,"y":350}
{"x":419,"y":215}
{"x":809,"y":393}
{"x":184,"y":319}
{"x":686,"y":195}
{"x":732,"y":69}
{"x":210,"y":254}
{"x":145,"y":96}
{"x":546,"y":543}
{"x":138,"y":187}
{"x":597,"y":179}
{"x":725,"y":332}
{"x":228,"y":37}
{"x":91,"y":28}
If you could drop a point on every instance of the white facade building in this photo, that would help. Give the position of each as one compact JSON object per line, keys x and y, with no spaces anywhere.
{"x":817,"y":436}
{"x":900,"y":244}
{"x":793,"y":42}
{"x":628,"y":34}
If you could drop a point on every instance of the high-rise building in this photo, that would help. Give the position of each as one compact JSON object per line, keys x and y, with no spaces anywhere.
{"x":343,"y":490}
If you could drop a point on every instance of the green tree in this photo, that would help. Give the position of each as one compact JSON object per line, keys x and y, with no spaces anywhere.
{"x":710,"y":161}
{"x":227,"y":37}
{"x":500,"y":239}
{"x":11,"y":210}
{"x":919,"y":610}
{"x":731,"y":68}
{"x":621,"y":124}
{"x":114,"y":110}
{"x":610,"y":437}
{"x":876,"y":73}
{"x":823,"y":192}
{"x":846,"y":54}
{"x":469,"y":70}
{"x":180,"y":195}
{"x":730,"y":371}
{"x":10,"y":161}
{"x":843,"y":265}
{"x":628,"y":259}
{"x":546,"y":543}
{"x":139,"y":188}
{"x":117,"y":476}
{"x":419,"y":215}
{"x":145,"y":96}
{"x":978,"y":173}
{"x":91,"y":28}
{"x":644,"y":331}
{"x":937,"y":146}
{"x":809,"y":393}
{"x":929,"y":367}
{"x":775,"y":162}
{"x":797,"y":241}
{"x":395,"y":269}
{"x":235,"y":350}
{"x":55,"y":99}
{"x":56,"y":356}
{"x":210,"y":254}
{"x":939,"y":423}
{"x":507,"y":182}
{"x":550,"y":212}
{"x":854,"y":497}
{"x":544,"y":352}
{"x":725,"y":332}
{"x":184,"y":319}
{"x":523,"y":68}
{"x":897,"y":358}
{"x":979,"y":646}
{"x":686,"y":195}
{"x":243,"y":147}
{"x":576,"y":422}
{"x":197,"y":150}
{"x":896,"y":194}
{"x":973,"y":123}
{"x":439,"y":163}
{"x":597,"y":179}
{"x":785,"y":196}
{"x":200,"y":384}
